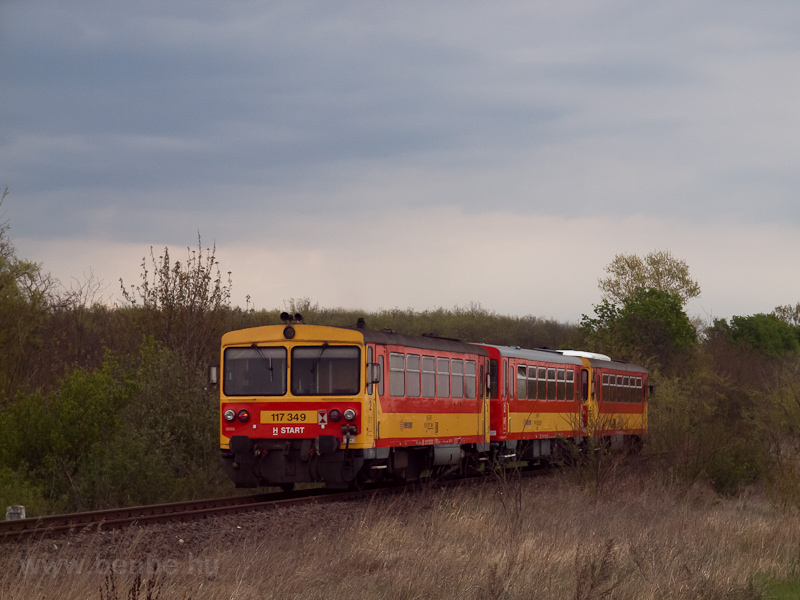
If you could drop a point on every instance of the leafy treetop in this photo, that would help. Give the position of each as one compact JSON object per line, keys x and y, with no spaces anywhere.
{"x":767,"y":334}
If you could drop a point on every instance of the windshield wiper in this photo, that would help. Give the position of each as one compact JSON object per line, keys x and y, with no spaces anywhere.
{"x":319,"y":357}
{"x":266,"y":360}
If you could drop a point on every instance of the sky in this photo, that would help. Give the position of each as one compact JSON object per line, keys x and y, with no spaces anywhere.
{"x":375,"y":155}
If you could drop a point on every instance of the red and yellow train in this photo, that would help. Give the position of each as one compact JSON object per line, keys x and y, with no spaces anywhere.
{"x":308,"y":403}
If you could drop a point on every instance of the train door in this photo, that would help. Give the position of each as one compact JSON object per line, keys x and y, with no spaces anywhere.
{"x":591,"y":408}
{"x":370,"y":406}
{"x":381,"y":359}
{"x":584,"y":403}
{"x":485,"y":395}
{"x":504,"y":397}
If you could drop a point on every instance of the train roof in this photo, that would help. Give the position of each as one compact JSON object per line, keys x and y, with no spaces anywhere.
{"x":423,"y":342}
{"x":583,"y":354}
{"x":429,"y":342}
{"x":570,"y":357}
{"x":538,"y":354}
{"x":616,"y":365}
{"x":306,"y":332}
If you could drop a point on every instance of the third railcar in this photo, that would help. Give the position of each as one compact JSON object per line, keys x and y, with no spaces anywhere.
{"x":538,"y":397}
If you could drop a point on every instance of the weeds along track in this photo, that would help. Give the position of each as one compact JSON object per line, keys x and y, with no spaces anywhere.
{"x":60,"y":525}
{"x":119,"y":518}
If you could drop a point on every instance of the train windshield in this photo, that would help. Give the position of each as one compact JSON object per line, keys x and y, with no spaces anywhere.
{"x":255,"y":371}
{"x":325,"y":370}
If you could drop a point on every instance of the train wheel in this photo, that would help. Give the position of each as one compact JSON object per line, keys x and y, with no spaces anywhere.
{"x":287,"y":487}
{"x":359,"y":481}
{"x":469,"y":466}
{"x":633,"y":444}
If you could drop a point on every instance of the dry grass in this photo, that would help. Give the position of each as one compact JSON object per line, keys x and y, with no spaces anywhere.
{"x":544,"y":538}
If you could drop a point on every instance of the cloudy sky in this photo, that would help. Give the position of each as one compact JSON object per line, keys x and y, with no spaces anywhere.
{"x":408,"y":154}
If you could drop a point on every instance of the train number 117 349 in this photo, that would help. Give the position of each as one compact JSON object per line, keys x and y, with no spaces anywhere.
{"x":299,"y":416}
{"x":288,"y":417}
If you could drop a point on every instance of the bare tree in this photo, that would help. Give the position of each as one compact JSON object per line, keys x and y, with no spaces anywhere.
{"x":788,"y":313}
{"x":182,"y":303}
{"x":658,"y":269}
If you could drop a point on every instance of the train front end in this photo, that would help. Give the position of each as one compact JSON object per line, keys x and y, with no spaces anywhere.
{"x":294,"y":406}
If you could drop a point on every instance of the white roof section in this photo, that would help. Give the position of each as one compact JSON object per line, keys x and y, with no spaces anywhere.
{"x":582,"y":354}
{"x":540,"y":355}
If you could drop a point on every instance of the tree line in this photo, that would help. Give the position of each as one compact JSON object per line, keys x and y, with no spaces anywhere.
{"x":107,"y":405}
{"x":726,"y":404}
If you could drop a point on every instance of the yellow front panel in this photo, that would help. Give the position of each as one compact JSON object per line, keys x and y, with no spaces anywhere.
{"x":295,"y":415}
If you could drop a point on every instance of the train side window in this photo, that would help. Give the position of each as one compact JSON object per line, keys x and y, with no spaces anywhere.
{"x":428,"y":377}
{"x":522,"y":382}
{"x":397,"y":374}
{"x":551,"y":384}
{"x":510,"y":382}
{"x":531,"y":383}
{"x":570,"y":384}
{"x":470,"y":379}
{"x":381,"y":387}
{"x":456,"y":378}
{"x":626,"y":384}
{"x":620,"y":395}
{"x":442,"y":377}
{"x":606,"y":391}
{"x":505,"y":373}
{"x":412,"y":375}
{"x":542,"y":385}
{"x":561,"y":388}
{"x":585,"y":385}
{"x":639,"y":390}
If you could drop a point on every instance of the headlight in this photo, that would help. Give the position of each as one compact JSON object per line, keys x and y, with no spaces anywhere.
{"x":334,"y":415}
{"x":244,"y":415}
{"x":349,"y":414}
{"x":230,"y":415}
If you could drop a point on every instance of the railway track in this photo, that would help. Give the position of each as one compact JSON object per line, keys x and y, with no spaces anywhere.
{"x":104,"y":520}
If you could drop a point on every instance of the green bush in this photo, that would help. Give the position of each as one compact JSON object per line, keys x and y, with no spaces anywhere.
{"x":146,"y":432}
{"x":764,"y":333}
{"x":738,"y":463}
{"x":15,"y":488}
{"x":649,"y":327}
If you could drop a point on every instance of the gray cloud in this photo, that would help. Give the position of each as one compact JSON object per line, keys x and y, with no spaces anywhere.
{"x":119,"y":116}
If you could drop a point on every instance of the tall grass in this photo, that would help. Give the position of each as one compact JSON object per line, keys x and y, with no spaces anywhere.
{"x":545,"y":538}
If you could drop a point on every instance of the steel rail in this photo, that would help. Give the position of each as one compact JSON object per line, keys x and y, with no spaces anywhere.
{"x":117,"y":518}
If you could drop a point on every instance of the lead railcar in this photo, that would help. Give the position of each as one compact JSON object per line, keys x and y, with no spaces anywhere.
{"x":305,"y":403}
